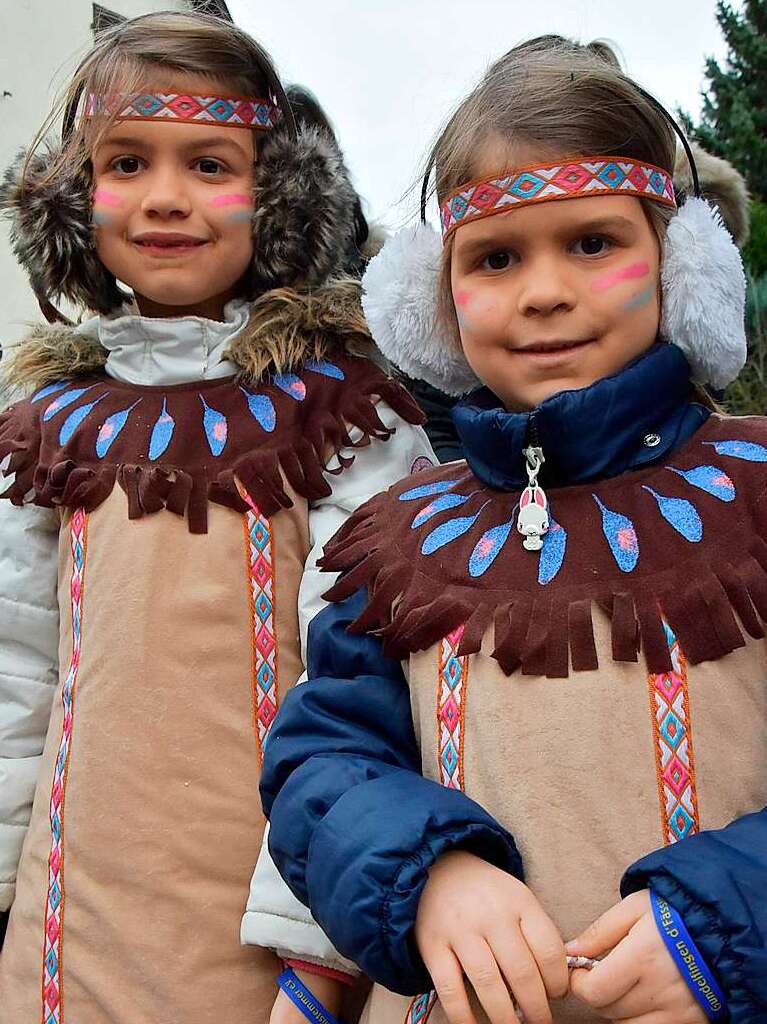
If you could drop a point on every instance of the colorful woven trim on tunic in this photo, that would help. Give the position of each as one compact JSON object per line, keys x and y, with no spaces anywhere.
{"x":674,"y":760}
{"x":261,"y":596}
{"x":52,"y":994}
{"x":452,"y":681}
{"x":420,"y":1008}
{"x":567,"y":179}
{"x":228,"y":112}
{"x":451,"y":694}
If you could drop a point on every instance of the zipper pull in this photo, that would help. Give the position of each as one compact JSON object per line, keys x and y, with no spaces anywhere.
{"x":533,"y":518}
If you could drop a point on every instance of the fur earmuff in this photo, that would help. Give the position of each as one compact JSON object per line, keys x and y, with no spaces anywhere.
{"x":52,"y":233}
{"x":704,"y":294}
{"x":304,"y":226}
{"x":400,"y":299}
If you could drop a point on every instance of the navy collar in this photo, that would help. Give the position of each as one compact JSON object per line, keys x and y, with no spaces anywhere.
{"x":634,"y":418}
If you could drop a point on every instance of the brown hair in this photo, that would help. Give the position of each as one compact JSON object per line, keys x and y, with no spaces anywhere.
{"x":571,"y":100}
{"x":147,"y":52}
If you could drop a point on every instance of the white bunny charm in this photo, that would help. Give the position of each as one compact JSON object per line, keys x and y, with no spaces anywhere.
{"x":533,"y":518}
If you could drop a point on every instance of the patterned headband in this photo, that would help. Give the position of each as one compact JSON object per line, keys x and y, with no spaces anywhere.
{"x":568,"y":179}
{"x":231,"y":112}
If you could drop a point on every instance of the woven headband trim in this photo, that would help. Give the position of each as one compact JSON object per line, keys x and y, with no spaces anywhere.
{"x":568,"y":179}
{"x":228,"y":112}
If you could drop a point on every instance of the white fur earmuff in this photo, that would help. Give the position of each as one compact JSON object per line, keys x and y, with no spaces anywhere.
{"x":703,"y":302}
{"x":400,"y":296}
{"x":704,"y":294}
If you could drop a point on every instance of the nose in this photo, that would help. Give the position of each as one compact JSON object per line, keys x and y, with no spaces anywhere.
{"x":545,"y":288}
{"x":166,"y":195}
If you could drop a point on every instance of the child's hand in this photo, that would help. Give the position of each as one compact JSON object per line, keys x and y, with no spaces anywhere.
{"x":475,"y":918}
{"x":638,"y":982}
{"x":327,"y":990}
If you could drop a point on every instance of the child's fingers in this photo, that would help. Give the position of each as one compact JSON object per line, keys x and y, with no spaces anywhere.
{"x":654,"y":1017}
{"x":610,"y":980}
{"x":637,"y":1001}
{"x":545,"y":942}
{"x":610,"y":928}
{"x":447,"y":977}
{"x":521,"y":972}
{"x":479,"y":963}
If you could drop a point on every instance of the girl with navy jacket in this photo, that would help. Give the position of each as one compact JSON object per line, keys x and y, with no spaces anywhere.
{"x":527,"y":770}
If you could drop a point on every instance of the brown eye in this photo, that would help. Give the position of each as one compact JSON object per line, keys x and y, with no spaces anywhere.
{"x":126,"y":165}
{"x":209,"y":166}
{"x":592,"y":245}
{"x":497,"y":261}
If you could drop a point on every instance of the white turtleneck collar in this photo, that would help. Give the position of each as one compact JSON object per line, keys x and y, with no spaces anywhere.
{"x":177,"y":350}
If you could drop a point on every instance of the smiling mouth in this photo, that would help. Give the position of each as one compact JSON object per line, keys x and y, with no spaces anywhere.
{"x":169,"y":243}
{"x":546,"y":348}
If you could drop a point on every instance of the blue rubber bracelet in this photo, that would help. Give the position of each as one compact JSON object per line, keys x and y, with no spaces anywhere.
{"x":688,"y":959}
{"x":304,"y":998}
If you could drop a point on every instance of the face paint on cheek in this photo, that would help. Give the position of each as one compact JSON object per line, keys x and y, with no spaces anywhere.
{"x":239,"y":215}
{"x":105,"y":198}
{"x":232,"y":199}
{"x":461,"y":300}
{"x":640,"y":299}
{"x":100,"y":217}
{"x":614,"y":277}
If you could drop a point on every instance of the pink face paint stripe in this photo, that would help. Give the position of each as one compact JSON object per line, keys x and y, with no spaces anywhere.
{"x":107,"y":198}
{"x":613,"y":277}
{"x":234,"y":199}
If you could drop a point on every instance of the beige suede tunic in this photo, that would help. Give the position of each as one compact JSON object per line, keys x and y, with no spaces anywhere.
{"x":160,"y":818}
{"x":184,"y":535}
{"x":574,"y":768}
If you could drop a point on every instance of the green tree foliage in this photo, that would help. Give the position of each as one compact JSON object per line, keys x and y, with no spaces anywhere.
{"x":755,"y":250}
{"x":733,"y":121}
{"x":733,"y":125}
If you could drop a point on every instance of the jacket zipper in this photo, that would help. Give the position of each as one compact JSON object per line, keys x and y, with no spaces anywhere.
{"x":533,"y":517}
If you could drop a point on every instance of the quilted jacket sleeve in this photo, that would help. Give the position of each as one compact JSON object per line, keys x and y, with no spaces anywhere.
{"x":274,"y":917}
{"x":29,"y":630}
{"x":354,"y":825}
{"x":717,"y":880}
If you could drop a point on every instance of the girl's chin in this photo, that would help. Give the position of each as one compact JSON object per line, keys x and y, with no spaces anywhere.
{"x":530,"y":398}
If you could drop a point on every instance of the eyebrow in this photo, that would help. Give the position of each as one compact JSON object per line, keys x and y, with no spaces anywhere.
{"x":615,"y":222}
{"x":205,"y":142}
{"x":507,"y":235}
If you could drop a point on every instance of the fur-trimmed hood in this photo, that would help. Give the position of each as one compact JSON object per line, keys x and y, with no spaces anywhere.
{"x":305,"y":221}
{"x":286,"y":327}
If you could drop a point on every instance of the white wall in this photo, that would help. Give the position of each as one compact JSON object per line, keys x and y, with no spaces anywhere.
{"x":41,"y":42}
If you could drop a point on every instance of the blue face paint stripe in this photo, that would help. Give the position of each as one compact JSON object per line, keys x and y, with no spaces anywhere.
{"x":640,"y":299}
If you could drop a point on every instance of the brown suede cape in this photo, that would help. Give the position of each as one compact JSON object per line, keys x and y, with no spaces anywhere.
{"x":180,"y":447}
{"x":682,"y":541}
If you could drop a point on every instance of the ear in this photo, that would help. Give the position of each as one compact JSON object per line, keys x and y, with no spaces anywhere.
{"x":401,"y":302}
{"x":52,"y":232}
{"x":704,"y":294}
{"x":304,"y":224}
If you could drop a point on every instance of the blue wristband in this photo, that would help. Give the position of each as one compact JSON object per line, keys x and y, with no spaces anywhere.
{"x":687,"y":958}
{"x":304,"y":998}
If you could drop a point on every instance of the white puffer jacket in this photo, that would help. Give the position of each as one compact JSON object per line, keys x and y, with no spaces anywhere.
{"x":29,"y":638}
